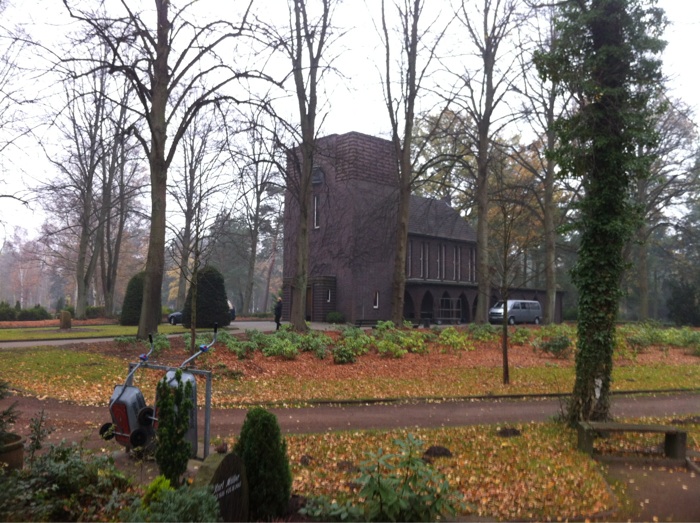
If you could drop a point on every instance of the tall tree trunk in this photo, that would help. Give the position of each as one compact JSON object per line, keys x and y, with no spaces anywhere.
{"x":550,"y":232}
{"x":299,"y":285}
{"x":271,"y":268}
{"x":185,"y":250}
{"x":643,"y":275}
{"x":155,"y":260}
{"x":482,"y":236}
{"x":250,"y":277}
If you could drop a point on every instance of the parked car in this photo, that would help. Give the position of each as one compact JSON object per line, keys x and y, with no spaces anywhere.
{"x":175,"y":317}
{"x":519,"y":311}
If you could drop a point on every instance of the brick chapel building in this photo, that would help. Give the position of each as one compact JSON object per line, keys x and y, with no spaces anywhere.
{"x":352,"y":241}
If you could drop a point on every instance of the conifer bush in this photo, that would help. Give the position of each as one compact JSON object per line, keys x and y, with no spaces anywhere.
{"x":264,"y":454}
{"x":212,"y":305}
{"x":174,"y":406}
{"x":131,"y":308}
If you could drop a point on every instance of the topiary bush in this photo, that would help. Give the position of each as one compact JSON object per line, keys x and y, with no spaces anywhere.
{"x":131,"y":308}
{"x":7,"y":313}
{"x":92,"y":312}
{"x":264,"y":454}
{"x":335,"y":317}
{"x":174,"y":406}
{"x":212,"y":305}
{"x":36,"y":313}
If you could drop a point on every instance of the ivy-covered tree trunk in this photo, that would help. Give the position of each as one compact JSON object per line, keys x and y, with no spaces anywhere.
{"x":605,"y":59}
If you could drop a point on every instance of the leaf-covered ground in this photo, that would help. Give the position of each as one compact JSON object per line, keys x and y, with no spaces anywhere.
{"x":535,"y":476}
{"x":87,"y":372}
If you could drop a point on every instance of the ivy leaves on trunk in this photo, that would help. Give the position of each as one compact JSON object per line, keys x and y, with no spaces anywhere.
{"x":607,"y":58}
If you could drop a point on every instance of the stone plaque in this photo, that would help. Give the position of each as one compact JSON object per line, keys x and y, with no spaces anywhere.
{"x":225,"y":473}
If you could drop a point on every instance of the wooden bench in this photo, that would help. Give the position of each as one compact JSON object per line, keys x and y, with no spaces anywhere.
{"x":674,"y":442}
{"x":365,"y":323}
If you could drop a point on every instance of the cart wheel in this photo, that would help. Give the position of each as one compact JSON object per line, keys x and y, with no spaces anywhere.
{"x":138,"y":438}
{"x":107,"y":431}
{"x":146,"y":416}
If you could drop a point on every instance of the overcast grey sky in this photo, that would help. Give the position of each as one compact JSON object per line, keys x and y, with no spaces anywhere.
{"x":357,"y":100}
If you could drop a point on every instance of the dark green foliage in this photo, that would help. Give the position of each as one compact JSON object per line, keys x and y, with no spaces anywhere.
{"x":64,"y":484}
{"x":335,"y":317}
{"x":131,"y":308}
{"x":36,"y":313}
{"x":353,"y":343}
{"x":174,"y":405}
{"x":38,"y":432}
{"x":95,"y":312}
{"x":212,"y":305}
{"x":557,"y":346}
{"x":161,"y":502}
{"x":684,"y":303}
{"x":264,"y":454}
{"x":606,"y":57}
{"x":7,"y":313}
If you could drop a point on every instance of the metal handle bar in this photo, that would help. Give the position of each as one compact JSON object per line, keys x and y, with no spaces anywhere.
{"x":202,"y":348}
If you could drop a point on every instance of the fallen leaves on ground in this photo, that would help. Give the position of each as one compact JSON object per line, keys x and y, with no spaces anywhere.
{"x":87,"y":373}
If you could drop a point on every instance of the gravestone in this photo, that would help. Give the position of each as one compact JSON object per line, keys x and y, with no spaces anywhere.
{"x":225,"y":473}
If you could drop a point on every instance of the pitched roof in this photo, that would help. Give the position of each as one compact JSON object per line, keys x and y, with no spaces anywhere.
{"x":432,"y":217}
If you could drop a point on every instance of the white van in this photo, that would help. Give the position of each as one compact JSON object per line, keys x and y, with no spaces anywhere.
{"x":519,"y":311}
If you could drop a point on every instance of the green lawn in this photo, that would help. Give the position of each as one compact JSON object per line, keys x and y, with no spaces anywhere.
{"x":91,"y":331}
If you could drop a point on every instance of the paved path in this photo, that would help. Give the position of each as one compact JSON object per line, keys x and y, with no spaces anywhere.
{"x":418,"y":414}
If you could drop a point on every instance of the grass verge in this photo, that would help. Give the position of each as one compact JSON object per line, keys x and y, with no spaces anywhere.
{"x":90,"y":331}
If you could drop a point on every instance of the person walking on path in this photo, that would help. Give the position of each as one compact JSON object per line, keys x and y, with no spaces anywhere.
{"x":278,"y":312}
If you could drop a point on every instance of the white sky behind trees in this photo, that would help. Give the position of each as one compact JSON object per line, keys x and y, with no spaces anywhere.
{"x":353,"y":99}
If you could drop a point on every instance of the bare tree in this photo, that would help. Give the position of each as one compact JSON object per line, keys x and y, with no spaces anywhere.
{"x":512,"y":232}
{"x":12,"y":100}
{"x":194,"y":186}
{"x":414,"y":48}
{"x":257,"y":156}
{"x":122,"y":184}
{"x":304,"y":43}
{"x":542,"y":104}
{"x":481,"y":92}
{"x":671,"y":178}
{"x":175,"y":68}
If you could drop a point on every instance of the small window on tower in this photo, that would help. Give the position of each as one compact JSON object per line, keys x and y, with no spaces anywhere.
{"x":376,"y":300}
{"x":317,"y":224}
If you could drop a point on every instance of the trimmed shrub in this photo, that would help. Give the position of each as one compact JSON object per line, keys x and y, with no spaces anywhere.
{"x":7,"y":313}
{"x":92,"y":313}
{"x":264,"y":454}
{"x":131,"y":308}
{"x":212,"y":305}
{"x":37,"y":313}
{"x":335,"y":317}
{"x":174,"y":406}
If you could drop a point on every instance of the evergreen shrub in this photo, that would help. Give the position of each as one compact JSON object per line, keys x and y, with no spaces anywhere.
{"x":36,"y":313}
{"x":264,"y":454}
{"x":212,"y":305}
{"x":174,"y":406}
{"x":335,"y":317}
{"x":7,"y":313}
{"x":131,"y":308}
